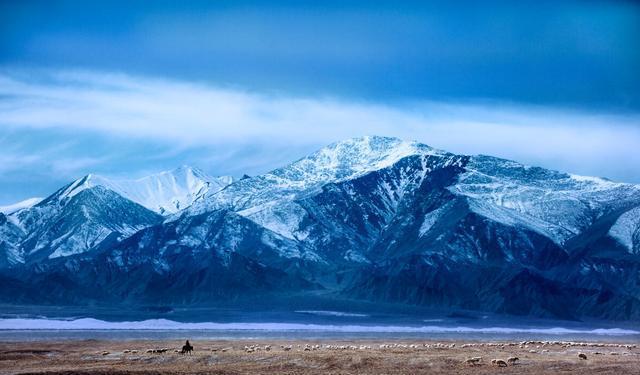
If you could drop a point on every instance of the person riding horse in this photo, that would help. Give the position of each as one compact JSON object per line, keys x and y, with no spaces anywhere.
{"x":186,"y":348}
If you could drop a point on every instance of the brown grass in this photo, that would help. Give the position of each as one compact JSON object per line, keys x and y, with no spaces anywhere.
{"x":85,"y":357}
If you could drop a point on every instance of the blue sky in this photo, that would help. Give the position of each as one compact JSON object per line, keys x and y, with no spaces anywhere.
{"x":129,"y":88}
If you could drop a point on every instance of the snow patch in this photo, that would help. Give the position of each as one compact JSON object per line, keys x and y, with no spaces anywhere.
{"x":167,"y":192}
{"x":354,"y":256}
{"x":280,"y":217}
{"x":331,"y":313}
{"x":626,"y":230}
{"x":431,"y":218}
{"x":555,"y":204}
{"x":8,"y":210}
{"x":164,"y":193}
{"x":14,"y":324}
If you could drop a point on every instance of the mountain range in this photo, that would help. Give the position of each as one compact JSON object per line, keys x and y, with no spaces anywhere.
{"x":371,"y":219}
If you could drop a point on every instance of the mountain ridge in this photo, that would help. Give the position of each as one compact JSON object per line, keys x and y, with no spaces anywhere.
{"x":383,"y":220}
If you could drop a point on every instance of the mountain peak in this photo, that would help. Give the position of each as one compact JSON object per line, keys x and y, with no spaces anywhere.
{"x":336,"y":162}
{"x":170,"y":191}
{"x":353,"y":156}
{"x":83,"y":183}
{"x":184,"y":170}
{"x":375,"y":145}
{"x":165,"y":192}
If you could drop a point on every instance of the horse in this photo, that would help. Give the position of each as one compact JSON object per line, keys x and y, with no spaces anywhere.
{"x":187,"y":348}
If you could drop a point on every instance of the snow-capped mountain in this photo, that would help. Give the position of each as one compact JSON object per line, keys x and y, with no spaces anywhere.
{"x":336,"y":162}
{"x":82,"y":215}
{"x":372,"y":218}
{"x":272,"y":199}
{"x":9,"y":209}
{"x":77,"y":219}
{"x":557,"y":205}
{"x":166,"y":192}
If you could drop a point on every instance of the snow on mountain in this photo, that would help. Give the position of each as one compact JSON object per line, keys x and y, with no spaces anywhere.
{"x":283,"y":218}
{"x":268,"y":199}
{"x":83,"y":214}
{"x":432,"y":218}
{"x":165,"y":193}
{"x":78,"y":218}
{"x":555,"y":204}
{"x":10,"y":235}
{"x":627,"y":230}
{"x":371,"y":218}
{"x":9,"y":209}
{"x":349,"y":159}
{"x":336,"y":162}
{"x":168,"y":192}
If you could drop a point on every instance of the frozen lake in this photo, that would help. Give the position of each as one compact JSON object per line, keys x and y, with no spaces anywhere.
{"x":304,"y":324}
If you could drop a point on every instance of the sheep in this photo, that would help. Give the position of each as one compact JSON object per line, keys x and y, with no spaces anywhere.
{"x":154,"y":351}
{"x":499,"y":362}
{"x":582,"y":356}
{"x":105,"y":353}
{"x":473,"y":361}
{"x":513,"y":360}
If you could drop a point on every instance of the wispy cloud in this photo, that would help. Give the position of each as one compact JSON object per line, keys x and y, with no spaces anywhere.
{"x":240,"y":130}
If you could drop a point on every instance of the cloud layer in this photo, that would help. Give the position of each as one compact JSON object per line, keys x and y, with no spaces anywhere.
{"x":64,"y":124}
{"x":569,"y":53}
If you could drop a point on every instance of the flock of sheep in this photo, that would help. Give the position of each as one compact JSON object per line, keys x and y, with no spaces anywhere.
{"x":475,"y":361}
{"x":534,"y":346}
{"x":543,"y":344}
